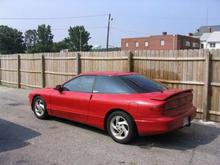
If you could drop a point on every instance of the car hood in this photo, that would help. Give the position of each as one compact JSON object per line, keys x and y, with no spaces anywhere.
{"x":40,"y":91}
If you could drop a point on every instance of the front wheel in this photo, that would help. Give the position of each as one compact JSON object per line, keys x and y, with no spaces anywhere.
{"x":121,"y":127}
{"x":39,"y":108}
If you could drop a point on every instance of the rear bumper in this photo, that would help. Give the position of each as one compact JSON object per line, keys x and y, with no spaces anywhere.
{"x":161,"y":125}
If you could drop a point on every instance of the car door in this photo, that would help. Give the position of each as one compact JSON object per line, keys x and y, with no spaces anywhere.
{"x":73,"y":102}
{"x":109,"y":92}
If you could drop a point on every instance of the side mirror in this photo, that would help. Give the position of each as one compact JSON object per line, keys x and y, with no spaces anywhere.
{"x":59,"y":88}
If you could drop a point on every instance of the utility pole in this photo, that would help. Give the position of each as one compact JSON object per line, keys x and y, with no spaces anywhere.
{"x":108,"y":29}
{"x":207,"y":12}
{"x":80,"y":40}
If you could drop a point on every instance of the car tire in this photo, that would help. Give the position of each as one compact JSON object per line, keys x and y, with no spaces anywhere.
{"x":39,"y":108}
{"x":121,"y":127}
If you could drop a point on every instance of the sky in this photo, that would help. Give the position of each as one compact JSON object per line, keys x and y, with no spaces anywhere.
{"x":131,"y":18}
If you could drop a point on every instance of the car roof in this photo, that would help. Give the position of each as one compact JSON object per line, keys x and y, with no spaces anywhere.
{"x":108,"y":73}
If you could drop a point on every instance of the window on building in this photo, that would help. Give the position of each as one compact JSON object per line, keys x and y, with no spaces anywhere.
{"x":146,"y":44}
{"x":202,"y":46}
{"x":162,"y":42}
{"x":137,"y":44}
{"x":126,"y":44}
{"x":195,"y":45}
{"x":212,"y":45}
{"x":187,"y":43}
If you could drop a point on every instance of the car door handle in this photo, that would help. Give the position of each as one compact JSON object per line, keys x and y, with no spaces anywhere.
{"x":95,"y":91}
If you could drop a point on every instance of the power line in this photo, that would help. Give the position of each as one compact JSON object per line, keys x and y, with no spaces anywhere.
{"x":61,"y":29}
{"x":51,"y":18}
{"x":95,"y":27}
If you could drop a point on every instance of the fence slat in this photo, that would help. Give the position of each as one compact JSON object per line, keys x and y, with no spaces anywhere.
{"x":60,"y":73}
{"x":170,"y":58}
{"x":42,"y":71}
{"x":130,"y":62}
{"x":18,"y":71}
{"x":78,"y":63}
{"x":207,"y":82}
{"x":180,"y":82}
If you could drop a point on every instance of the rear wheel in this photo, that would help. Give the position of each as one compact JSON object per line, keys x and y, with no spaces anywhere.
{"x":39,"y":108}
{"x":121,"y":127}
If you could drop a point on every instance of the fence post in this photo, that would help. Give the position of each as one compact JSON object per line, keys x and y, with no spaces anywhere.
{"x":42,"y":71}
{"x":18,"y":71}
{"x":207,"y":83}
{"x":78,"y":64}
{"x":130,"y":62}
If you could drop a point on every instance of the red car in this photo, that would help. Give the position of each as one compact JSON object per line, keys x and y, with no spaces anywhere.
{"x":121,"y":103}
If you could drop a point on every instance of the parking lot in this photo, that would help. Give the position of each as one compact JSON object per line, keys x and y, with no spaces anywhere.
{"x":27,"y":140}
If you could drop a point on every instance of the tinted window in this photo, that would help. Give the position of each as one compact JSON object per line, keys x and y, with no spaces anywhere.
{"x":142,"y":84}
{"x":108,"y":84}
{"x":80,"y":84}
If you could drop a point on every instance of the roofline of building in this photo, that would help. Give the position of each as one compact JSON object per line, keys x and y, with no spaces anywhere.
{"x":157,"y":36}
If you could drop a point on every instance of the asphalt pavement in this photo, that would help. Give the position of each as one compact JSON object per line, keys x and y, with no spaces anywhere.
{"x":26,"y":140}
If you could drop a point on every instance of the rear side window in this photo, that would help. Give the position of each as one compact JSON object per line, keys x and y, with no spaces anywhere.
{"x":80,"y":84}
{"x":108,"y":84}
{"x":142,"y":84}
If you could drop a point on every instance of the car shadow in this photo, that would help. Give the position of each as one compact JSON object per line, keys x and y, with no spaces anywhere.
{"x":80,"y":125}
{"x":14,"y":136}
{"x":183,"y":139}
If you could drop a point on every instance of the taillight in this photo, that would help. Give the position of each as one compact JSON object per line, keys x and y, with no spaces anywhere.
{"x":190,"y":98}
{"x":152,"y":110}
{"x":173,"y":104}
{"x":170,"y":105}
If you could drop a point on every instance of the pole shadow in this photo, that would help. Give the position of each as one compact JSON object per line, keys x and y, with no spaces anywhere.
{"x":14,"y":136}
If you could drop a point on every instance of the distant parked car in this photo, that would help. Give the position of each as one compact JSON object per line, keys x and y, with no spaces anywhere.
{"x":124,"y":104}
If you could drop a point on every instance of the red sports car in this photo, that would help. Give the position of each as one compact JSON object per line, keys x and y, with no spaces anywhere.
{"x":121,"y":103}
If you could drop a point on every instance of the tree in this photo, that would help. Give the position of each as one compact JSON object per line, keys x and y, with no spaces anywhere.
{"x":58,"y":46}
{"x":11,"y":40}
{"x":78,"y":39}
{"x":45,"y":39}
{"x":30,"y":39}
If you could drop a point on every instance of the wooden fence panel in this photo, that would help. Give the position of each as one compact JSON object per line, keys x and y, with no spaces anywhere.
{"x":59,"y":67}
{"x":30,"y":71}
{"x":176,"y":68}
{"x":215,"y":86}
{"x":9,"y":70}
{"x":104,"y":61}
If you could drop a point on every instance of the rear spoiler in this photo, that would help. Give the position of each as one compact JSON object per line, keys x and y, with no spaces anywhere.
{"x":168,"y":94}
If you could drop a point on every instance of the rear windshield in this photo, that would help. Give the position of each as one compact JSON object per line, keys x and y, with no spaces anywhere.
{"x":141,"y":84}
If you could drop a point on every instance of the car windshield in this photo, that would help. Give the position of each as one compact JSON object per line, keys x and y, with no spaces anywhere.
{"x":142,"y":84}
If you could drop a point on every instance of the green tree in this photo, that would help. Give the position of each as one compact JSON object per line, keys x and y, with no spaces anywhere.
{"x":58,"y":46}
{"x":11,"y":40}
{"x":78,"y":39}
{"x":45,"y":39}
{"x":30,"y":39}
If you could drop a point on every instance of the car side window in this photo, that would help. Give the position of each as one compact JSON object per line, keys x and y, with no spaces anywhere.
{"x":108,"y":84}
{"x":80,"y":84}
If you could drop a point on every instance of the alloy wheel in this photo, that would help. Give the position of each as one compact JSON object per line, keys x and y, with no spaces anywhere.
{"x":119,"y":127}
{"x":39,"y":107}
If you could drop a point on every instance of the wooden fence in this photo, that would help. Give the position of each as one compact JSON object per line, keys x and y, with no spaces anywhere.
{"x":196,"y":69}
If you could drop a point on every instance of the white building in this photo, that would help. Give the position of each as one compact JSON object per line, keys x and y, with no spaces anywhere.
{"x":210,"y":40}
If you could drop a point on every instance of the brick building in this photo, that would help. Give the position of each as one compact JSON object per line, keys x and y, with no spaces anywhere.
{"x":160,"y":42}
